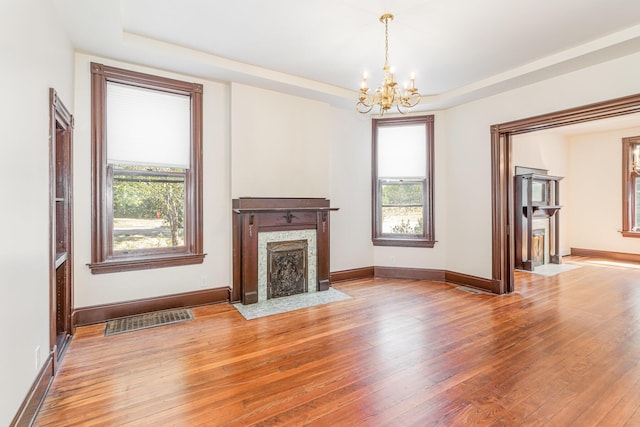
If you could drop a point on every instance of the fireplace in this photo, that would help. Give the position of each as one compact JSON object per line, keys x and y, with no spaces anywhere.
{"x":537,"y":247}
{"x":286,"y":268}
{"x":536,"y":218}
{"x":280,"y":247}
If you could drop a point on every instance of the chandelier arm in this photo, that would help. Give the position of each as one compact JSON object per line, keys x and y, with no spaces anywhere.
{"x":412,"y":100}
{"x":363,"y":110}
{"x":400,"y":106}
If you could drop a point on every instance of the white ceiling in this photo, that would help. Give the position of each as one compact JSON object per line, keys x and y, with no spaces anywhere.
{"x":459,"y":49}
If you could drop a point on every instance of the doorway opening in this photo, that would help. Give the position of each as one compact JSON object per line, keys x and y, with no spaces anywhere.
{"x":503,"y":247}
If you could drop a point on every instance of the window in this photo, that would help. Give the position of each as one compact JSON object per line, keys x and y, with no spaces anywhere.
{"x":631,"y":187}
{"x":403,"y":182}
{"x":146,"y":171}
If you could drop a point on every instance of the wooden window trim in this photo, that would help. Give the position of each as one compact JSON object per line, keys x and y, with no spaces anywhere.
{"x":102,"y":259}
{"x":378,"y":239}
{"x":628,"y":187}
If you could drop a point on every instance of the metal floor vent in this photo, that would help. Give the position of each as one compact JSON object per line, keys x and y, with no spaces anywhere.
{"x":470,"y":290}
{"x":147,"y":320}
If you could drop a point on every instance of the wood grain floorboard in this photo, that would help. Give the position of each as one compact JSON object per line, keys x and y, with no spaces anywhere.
{"x":560,"y":351}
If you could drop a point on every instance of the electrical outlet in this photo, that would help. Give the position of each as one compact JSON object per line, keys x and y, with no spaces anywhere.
{"x":203,"y":281}
{"x":393,"y":260}
{"x":37,"y":358}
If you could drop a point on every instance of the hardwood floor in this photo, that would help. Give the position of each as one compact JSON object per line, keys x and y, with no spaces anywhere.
{"x":562,"y":350}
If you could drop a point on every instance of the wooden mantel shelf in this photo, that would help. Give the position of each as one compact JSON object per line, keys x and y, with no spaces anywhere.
{"x":299,"y":209}
{"x":549,"y":210}
{"x":282,"y":203}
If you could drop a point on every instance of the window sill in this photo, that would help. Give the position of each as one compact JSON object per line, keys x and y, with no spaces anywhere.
{"x":410,"y":243}
{"x":627,"y":233}
{"x":144,"y":263}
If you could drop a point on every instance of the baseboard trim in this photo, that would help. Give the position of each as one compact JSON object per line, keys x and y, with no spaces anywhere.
{"x":410,"y":273}
{"x":101,"y":313}
{"x":29,"y":409}
{"x":353,"y":274}
{"x":616,"y":256}
{"x":488,"y":285}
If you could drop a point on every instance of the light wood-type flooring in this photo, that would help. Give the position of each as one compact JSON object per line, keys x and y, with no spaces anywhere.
{"x":560,"y":351}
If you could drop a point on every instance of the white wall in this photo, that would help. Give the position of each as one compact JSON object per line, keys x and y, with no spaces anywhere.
{"x":596,"y":192}
{"x":35,"y":56}
{"x":350,"y":173}
{"x":550,"y":151}
{"x":215,"y":271}
{"x":287,"y":146}
{"x":279,"y":144}
{"x":469,"y":147}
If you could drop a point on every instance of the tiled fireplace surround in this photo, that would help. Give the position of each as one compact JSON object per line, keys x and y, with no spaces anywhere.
{"x":277,"y":219}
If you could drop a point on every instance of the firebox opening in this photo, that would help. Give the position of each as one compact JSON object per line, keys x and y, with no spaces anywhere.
{"x":286,"y":268}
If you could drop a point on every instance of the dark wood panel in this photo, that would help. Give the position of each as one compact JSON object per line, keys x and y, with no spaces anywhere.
{"x":289,"y":218}
{"x":249,"y":203}
{"x":101,"y":313}
{"x":248,"y":285}
{"x":562,"y":350}
{"x":323,"y":247}
{"x":237,"y":222}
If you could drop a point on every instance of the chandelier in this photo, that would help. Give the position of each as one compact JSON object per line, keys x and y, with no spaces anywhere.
{"x":388,"y":95}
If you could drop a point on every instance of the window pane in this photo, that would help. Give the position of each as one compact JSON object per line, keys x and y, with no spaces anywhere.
{"x":401,"y":193}
{"x":148,"y":208}
{"x":147,"y":126}
{"x":402,"y":220}
{"x":402,"y":151}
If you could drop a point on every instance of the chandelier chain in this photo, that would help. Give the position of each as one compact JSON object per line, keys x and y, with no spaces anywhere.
{"x":386,"y":43}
